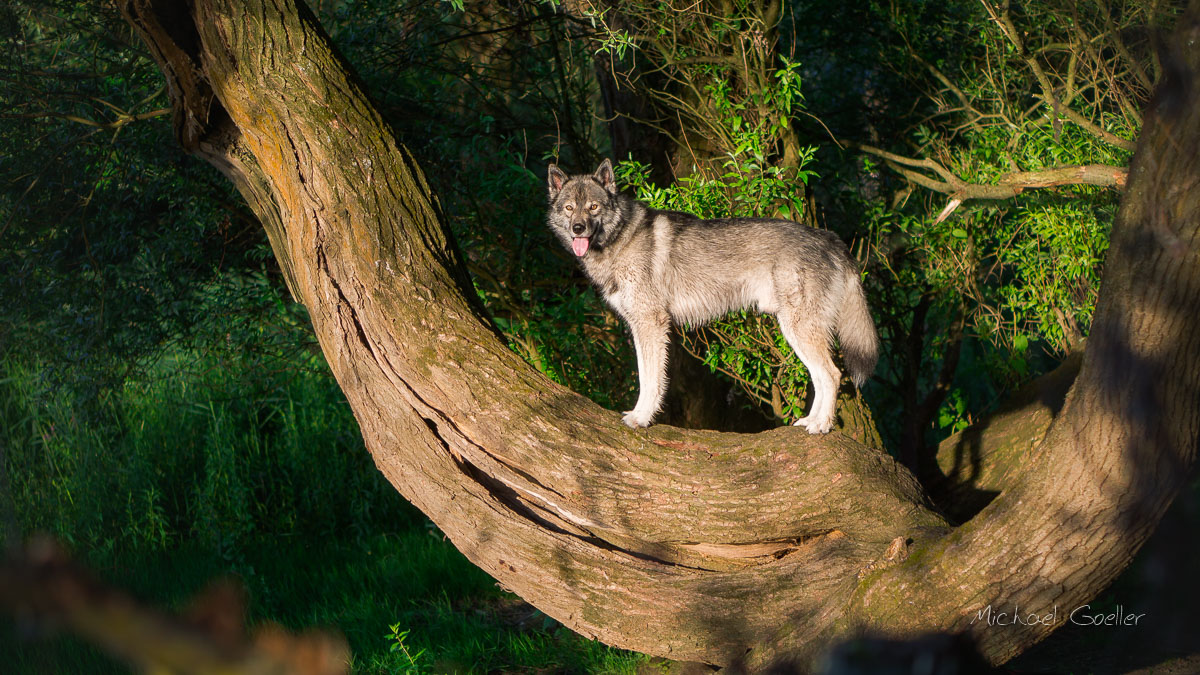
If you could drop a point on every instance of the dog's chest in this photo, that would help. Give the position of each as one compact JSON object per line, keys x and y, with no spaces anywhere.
{"x":621,"y":287}
{"x":620,"y":291}
{"x":627,"y":276}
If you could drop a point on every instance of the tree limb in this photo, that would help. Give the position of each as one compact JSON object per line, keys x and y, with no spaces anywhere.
{"x":1007,"y":186}
{"x":981,"y":461}
{"x":120,"y":121}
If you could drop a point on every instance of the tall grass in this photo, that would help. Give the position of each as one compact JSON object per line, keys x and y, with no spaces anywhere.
{"x":210,"y":464}
{"x":184,"y":453}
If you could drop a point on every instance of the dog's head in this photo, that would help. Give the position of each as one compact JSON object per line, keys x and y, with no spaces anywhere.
{"x":584,"y":210}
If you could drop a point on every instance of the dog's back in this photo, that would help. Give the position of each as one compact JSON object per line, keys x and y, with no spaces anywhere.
{"x":711,"y":267}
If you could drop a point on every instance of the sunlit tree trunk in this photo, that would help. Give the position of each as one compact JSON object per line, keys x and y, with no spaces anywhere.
{"x":699,"y":546}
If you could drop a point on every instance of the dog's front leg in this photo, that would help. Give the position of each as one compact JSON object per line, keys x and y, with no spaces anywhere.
{"x":650,"y":336}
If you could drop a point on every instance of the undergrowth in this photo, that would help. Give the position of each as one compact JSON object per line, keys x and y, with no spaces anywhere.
{"x":216,"y":462}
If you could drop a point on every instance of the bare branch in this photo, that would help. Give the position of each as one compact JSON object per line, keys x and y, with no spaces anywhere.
{"x":117,"y":123}
{"x":1004,"y":21}
{"x":1135,"y":66}
{"x":1007,"y":186}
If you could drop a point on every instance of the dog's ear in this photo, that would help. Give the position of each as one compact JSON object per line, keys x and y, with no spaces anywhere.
{"x":555,"y":179}
{"x":604,"y":175}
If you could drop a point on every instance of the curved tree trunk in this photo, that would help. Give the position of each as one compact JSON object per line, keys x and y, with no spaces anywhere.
{"x":693,"y":545}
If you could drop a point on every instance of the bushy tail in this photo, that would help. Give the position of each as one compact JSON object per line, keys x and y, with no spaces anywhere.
{"x":856,"y":333}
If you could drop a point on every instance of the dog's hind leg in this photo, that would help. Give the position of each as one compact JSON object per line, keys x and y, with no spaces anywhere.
{"x":809,"y":338}
{"x":650,"y":337}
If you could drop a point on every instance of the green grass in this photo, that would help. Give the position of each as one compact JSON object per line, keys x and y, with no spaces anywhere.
{"x":182,"y":454}
{"x":211,"y":465}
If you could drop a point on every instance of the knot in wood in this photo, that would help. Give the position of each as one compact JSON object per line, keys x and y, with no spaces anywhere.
{"x":896,"y":553}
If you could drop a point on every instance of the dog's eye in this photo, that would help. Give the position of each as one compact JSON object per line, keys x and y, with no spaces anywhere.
{"x":594,"y":207}
{"x":569,"y":207}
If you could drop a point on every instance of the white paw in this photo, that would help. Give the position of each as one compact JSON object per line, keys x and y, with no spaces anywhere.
{"x":814,"y":426}
{"x":637,"y":419}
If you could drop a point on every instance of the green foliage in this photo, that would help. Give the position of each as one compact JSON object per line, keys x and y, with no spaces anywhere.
{"x":1050,"y":273}
{"x":1032,"y":267}
{"x":110,"y":232}
{"x":952,"y":416}
{"x":397,"y":638}
{"x":217,"y":455}
{"x":700,"y":74}
{"x":1025,"y":272}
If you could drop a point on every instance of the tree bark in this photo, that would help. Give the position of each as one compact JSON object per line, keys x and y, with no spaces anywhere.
{"x":722,"y":548}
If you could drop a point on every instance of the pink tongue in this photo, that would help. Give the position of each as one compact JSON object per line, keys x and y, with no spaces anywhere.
{"x":580,"y":245}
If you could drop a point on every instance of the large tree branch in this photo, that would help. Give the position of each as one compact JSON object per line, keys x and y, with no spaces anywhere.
{"x":693,"y":545}
{"x":591,"y":521}
{"x":977,"y":463}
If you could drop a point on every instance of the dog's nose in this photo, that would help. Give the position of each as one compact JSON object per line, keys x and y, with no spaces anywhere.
{"x":577,"y":228}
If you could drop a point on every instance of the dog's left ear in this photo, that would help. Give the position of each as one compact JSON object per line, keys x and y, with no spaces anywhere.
{"x":604,"y":175}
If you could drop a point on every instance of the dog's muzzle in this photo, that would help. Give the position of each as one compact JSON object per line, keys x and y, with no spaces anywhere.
{"x":582,"y":239}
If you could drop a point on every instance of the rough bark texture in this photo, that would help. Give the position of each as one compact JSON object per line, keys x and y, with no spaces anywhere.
{"x":723,"y":548}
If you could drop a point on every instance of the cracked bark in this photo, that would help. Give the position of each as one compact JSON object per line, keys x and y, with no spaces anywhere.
{"x":723,"y":548}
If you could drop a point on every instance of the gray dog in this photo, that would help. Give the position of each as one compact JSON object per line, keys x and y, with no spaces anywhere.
{"x":653,"y":267}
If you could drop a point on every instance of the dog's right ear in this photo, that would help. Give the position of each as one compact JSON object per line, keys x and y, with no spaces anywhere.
{"x":555,"y":180}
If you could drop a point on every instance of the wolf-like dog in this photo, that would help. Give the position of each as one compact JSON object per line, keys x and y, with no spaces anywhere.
{"x":653,"y":267}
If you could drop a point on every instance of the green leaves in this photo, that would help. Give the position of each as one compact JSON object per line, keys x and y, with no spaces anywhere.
{"x":397,"y":637}
{"x":952,"y":415}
